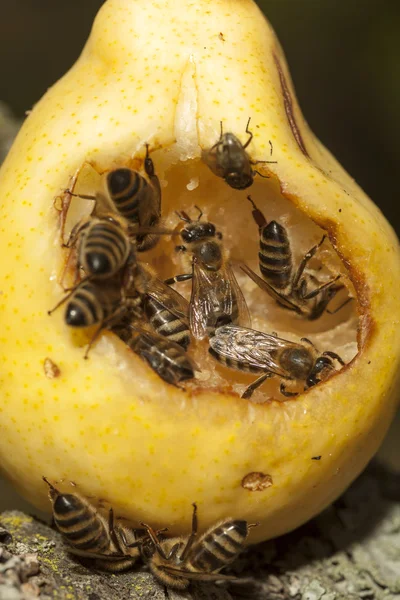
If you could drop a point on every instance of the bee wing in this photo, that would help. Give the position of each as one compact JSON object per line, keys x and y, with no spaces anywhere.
{"x":111,"y":557}
{"x":264,"y":285}
{"x":169,"y":298}
{"x":151,"y":338}
{"x":250,"y":346}
{"x":244,"y":318}
{"x":198,"y":576}
{"x":214,"y":294}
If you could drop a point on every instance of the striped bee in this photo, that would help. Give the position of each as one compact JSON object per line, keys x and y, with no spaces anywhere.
{"x":168,"y":359}
{"x":96,"y":303}
{"x":167,"y":312}
{"x":252,"y":351}
{"x":134,"y":198}
{"x":176,"y":561}
{"x":103,"y":246}
{"x":280,"y":281}
{"x":90,"y":535}
{"x":216,"y":297}
{"x":228,"y":159}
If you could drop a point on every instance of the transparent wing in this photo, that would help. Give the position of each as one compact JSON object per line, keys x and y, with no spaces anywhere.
{"x":243,"y":316}
{"x":251,"y":346}
{"x":169,"y":298}
{"x":215,"y":295}
{"x":262,"y":284}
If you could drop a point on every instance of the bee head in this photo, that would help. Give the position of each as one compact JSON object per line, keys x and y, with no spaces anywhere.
{"x":196,"y":231}
{"x":239,"y":180}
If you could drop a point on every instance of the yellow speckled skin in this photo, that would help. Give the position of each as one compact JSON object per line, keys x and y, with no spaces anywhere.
{"x":149,"y":68}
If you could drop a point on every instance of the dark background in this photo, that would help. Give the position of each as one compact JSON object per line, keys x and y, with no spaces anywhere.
{"x":344,"y":57}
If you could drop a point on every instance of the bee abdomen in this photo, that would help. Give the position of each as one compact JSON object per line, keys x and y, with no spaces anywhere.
{"x":232,"y":363}
{"x":275,"y":255}
{"x":167,"y":324}
{"x":126,"y":187}
{"x":83,"y":309}
{"x":105,"y":250}
{"x":220,"y":546}
{"x":79,"y":524}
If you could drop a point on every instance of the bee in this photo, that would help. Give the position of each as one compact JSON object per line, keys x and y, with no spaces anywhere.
{"x":167,"y":358}
{"x":96,"y":303}
{"x":228,"y":159}
{"x":280,"y":281}
{"x":90,"y":535}
{"x":216,"y":297}
{"x":256,"y":352}
{"x":167,"y":312}
{"x":174,"y":562}
{"x":134,"y":198}
{"x":103,"y":246}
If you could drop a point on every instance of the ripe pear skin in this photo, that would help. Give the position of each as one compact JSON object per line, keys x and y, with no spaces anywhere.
{"x":166,"y":73}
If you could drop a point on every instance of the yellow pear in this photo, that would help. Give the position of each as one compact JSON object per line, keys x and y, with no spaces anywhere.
{"x":167,"y":73}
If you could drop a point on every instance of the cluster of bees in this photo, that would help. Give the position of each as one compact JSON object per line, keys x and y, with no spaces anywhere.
{"x":174,"y":562}
{"x":116,"y":290}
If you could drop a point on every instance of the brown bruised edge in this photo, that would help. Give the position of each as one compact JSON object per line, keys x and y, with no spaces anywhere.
{"x":288,"y":103}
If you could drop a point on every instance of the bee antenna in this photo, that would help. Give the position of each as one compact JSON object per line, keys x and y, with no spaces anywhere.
{"x":200,"y":212}
{"x":250,"y":525}
{"x":51,"y":486}
{"x":183,"y":216}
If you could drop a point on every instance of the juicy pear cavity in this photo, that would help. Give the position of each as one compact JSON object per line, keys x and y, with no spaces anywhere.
{"x":188,"y":184}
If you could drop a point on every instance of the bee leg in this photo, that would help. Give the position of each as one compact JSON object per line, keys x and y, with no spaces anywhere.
{"x":307,"y":341}
{"x":103,"y":325}
{"x":254,"y":172}
{"x":320,"y":289}
{"x":334,"y":356}
{"x":67,"y":297}
{"x":111,"y":529}
{"x":258,"y":216}
{"x":148,"y":164}
{"x":154,"y":538}
{"x":284,"y":392}
{"x":248,"y":392}
{"x":333,"y":312}
{"x":192,"y":536}
{"x":306,"y":259}
{"x":178,"y":278}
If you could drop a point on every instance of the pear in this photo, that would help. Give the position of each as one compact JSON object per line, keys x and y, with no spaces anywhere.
{"x":166,"y":74}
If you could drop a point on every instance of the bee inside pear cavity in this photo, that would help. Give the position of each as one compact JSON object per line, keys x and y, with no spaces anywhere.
{"x":174,"y":561}
{"x":228,"y":159}
{"x":219,"y":328}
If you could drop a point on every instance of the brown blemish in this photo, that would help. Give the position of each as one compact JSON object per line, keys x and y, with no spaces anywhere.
{"x":316,"y":457}
{"x":256,"y":481}
{"x":221,"y":37}
{"x":51,"y":370}
{"x":288,"y":104}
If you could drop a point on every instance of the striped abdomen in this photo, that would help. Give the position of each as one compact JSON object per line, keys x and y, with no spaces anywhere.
{"x":232,"y":363}
{"x":275,"y":255}
{"x":166,"y":358}
{"x":104,"y":249}
{"x":91,"y":303}
{"x":218,"y":547}
{"x":166,"y":323}
{"x":127,"y":189}
{"x":80,"y":524}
